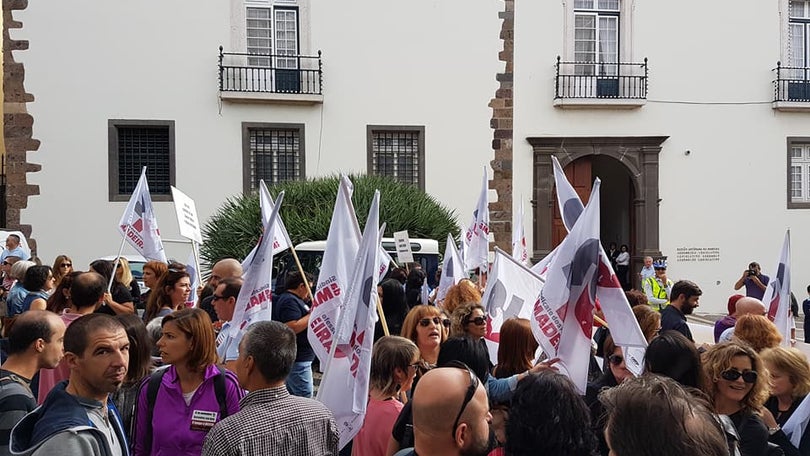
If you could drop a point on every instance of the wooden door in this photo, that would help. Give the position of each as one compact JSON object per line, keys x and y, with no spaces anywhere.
{"x":579,"y":173}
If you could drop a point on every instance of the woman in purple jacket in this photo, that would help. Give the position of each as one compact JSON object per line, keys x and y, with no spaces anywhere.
{"x":187,"y":405}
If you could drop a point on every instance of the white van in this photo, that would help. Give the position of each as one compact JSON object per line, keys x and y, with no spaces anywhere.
{"x":425,"y":252}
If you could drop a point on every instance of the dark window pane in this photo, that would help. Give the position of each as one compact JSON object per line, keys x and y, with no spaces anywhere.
{"x":140,"y":146}
{"x":396,"y":154}
{"x":274,"y":156}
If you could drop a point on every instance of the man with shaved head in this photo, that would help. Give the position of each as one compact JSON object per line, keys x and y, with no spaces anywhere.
{"x":222,"y":269}
{"x":745,"y":306}
{"x":450,"y":414}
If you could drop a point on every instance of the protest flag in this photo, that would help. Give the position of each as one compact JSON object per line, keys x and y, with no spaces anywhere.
{"x":281,"y":239}
{"x":562,"y":321}
{"x":255,"y":299}
{"x":476,"y":253}
{"x":453,"y":269}
{"x":349,"y":365}
{"x":797,"y":423}
{"x":777,"y":295}
{"x":139,"y":224}
{"x":511,"y":292}
{"x":519,"y":250}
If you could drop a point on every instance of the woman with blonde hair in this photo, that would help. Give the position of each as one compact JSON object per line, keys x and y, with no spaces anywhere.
{"x":469,"y":319}
{"x":790,"y":383}
{"x":62,"y":266}
{"x":123,"y":275}
{"x":393,"y":368}
{"x":424,"y":326}
{"x":757,"y":331}
{"x":736,"y":383}
{"x":458,"y":294}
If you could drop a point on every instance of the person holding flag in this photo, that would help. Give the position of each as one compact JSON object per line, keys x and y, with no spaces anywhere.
{"x":291,"y":309}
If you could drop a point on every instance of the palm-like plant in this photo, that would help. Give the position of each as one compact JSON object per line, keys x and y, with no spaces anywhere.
{"x":307,"y":210}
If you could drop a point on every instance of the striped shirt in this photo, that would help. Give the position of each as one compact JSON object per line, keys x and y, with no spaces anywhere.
{"x":16,"y":400}
{"x":272,"y":422}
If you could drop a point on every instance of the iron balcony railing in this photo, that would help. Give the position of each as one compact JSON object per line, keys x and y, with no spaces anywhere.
{"x":618,"y":80}
{"x":270,"y":73}
{"x":791,"y":83}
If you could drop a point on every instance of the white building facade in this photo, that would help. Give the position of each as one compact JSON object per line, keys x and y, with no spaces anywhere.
{"x":701,"y":144}
{"x":299,"y":89}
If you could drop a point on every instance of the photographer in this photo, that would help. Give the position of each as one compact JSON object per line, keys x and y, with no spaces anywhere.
{"x":754,"y":281}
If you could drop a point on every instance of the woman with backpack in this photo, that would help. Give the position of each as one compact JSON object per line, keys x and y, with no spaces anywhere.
{"x":177,"y":406}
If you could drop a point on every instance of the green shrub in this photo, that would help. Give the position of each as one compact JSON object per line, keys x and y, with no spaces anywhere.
{"x":307,"y":210}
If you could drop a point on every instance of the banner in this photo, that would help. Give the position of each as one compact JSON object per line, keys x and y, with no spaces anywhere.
{"x":777,"y":295}
{"x":139,"y":224}
{"x":254,"y":302}
{"x":562,"y":321}
{"x":477,"y":235}
{"x":349,"y":368}
{"x":453,"y":269}
{"x":511,"y":292}
{"x":519,"y":251}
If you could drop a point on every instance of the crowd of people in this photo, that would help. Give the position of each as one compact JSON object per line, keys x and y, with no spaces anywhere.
{"x":94,"y":366}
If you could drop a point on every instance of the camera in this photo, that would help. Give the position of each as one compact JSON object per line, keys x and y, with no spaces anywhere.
{"x":752,"y":272}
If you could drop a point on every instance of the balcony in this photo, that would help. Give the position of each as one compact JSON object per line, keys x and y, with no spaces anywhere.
{"x":600,"y":85}
{"x":270,"y":78}
{"x":791,"y":88}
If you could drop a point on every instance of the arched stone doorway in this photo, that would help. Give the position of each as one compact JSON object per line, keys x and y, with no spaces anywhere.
{"x":629,"y":168}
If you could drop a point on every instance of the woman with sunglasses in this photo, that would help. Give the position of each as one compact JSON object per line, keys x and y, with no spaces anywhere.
{"x":614,"y":374}
{"x":424,"y":325}
{"x":469,"y":319}
{"x":393,"y":368}
{"x":790,"y":383}
{"x":736,"y":383}
{"x":62,"y":266}
{"x":170,"y":294}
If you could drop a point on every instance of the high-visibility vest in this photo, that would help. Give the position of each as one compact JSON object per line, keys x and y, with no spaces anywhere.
{"x":658,"y":291}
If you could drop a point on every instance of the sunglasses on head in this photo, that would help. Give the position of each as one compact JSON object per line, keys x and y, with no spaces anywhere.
{"x":477,"y":320}
{"x":470,"y":389}
{"x":425,"y":322}
{"x":615,"y":359}
{"x":733,"y":374}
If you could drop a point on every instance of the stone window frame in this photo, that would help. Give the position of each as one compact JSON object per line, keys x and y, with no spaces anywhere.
{"x":791,"y":141}
{"x":113,"y":156}
{"x":247,"y":126}
{"x":420,"y":129}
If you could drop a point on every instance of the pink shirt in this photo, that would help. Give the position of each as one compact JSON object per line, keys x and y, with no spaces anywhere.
{"x":48,"y":378}
{"x":372,"y":440}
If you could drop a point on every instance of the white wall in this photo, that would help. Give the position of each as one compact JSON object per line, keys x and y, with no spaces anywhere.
{"x":425,"y":62}
{"x":730,"y":191}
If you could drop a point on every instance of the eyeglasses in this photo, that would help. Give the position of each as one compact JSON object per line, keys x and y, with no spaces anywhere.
{"x":477,"y":320}
{"x":470,"y":390}
{"x":6,"y":263}
{"x":217,"y":297}
{"x":615,"y":359}
{"x":425,"y":322}
{"x":733,"y":374}
{"x":64,"y":265}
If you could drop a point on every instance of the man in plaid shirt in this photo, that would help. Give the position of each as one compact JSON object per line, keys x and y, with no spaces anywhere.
{"x":271,"y":421}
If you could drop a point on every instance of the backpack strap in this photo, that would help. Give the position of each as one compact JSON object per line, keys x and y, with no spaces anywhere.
{"x":152,"y":388}
{"x":221,"y":391}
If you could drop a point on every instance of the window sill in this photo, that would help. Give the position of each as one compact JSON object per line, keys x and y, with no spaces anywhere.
{"x":599,"y":103}
{"x":271,"y":98}
{"x":792,"y":106}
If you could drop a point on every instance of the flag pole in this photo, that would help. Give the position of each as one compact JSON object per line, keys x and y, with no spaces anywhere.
{"x":196,"y":260}
{"x":303,"y":275}
{"x":382,"y":317}
{"x":115,"y":263}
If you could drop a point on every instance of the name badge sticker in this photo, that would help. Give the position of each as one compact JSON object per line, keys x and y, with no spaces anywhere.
{"x":203,"y":420}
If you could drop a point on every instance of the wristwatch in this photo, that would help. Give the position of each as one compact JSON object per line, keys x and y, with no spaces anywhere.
{"x":774,"y":430}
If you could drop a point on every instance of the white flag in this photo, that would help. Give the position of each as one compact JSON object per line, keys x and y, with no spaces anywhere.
{"x":194,"y":275}
{"x":797,"y":423}
{"x":255,"y":299}
{"x":511,"y":292}
{"x":453,"y":269}
{"x":281,"y":239}
{"x":139,"y":225}
{"x":349,"y":371}
{"x":777,"y":295}
{"x":477,"y":235}
{"x":562,"y":321}
{"x":567,"y":198}
{"x":519,"y":250}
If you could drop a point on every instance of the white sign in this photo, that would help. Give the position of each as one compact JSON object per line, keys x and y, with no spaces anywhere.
{"x":403,"y":244}
{"x":186,"y":216}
